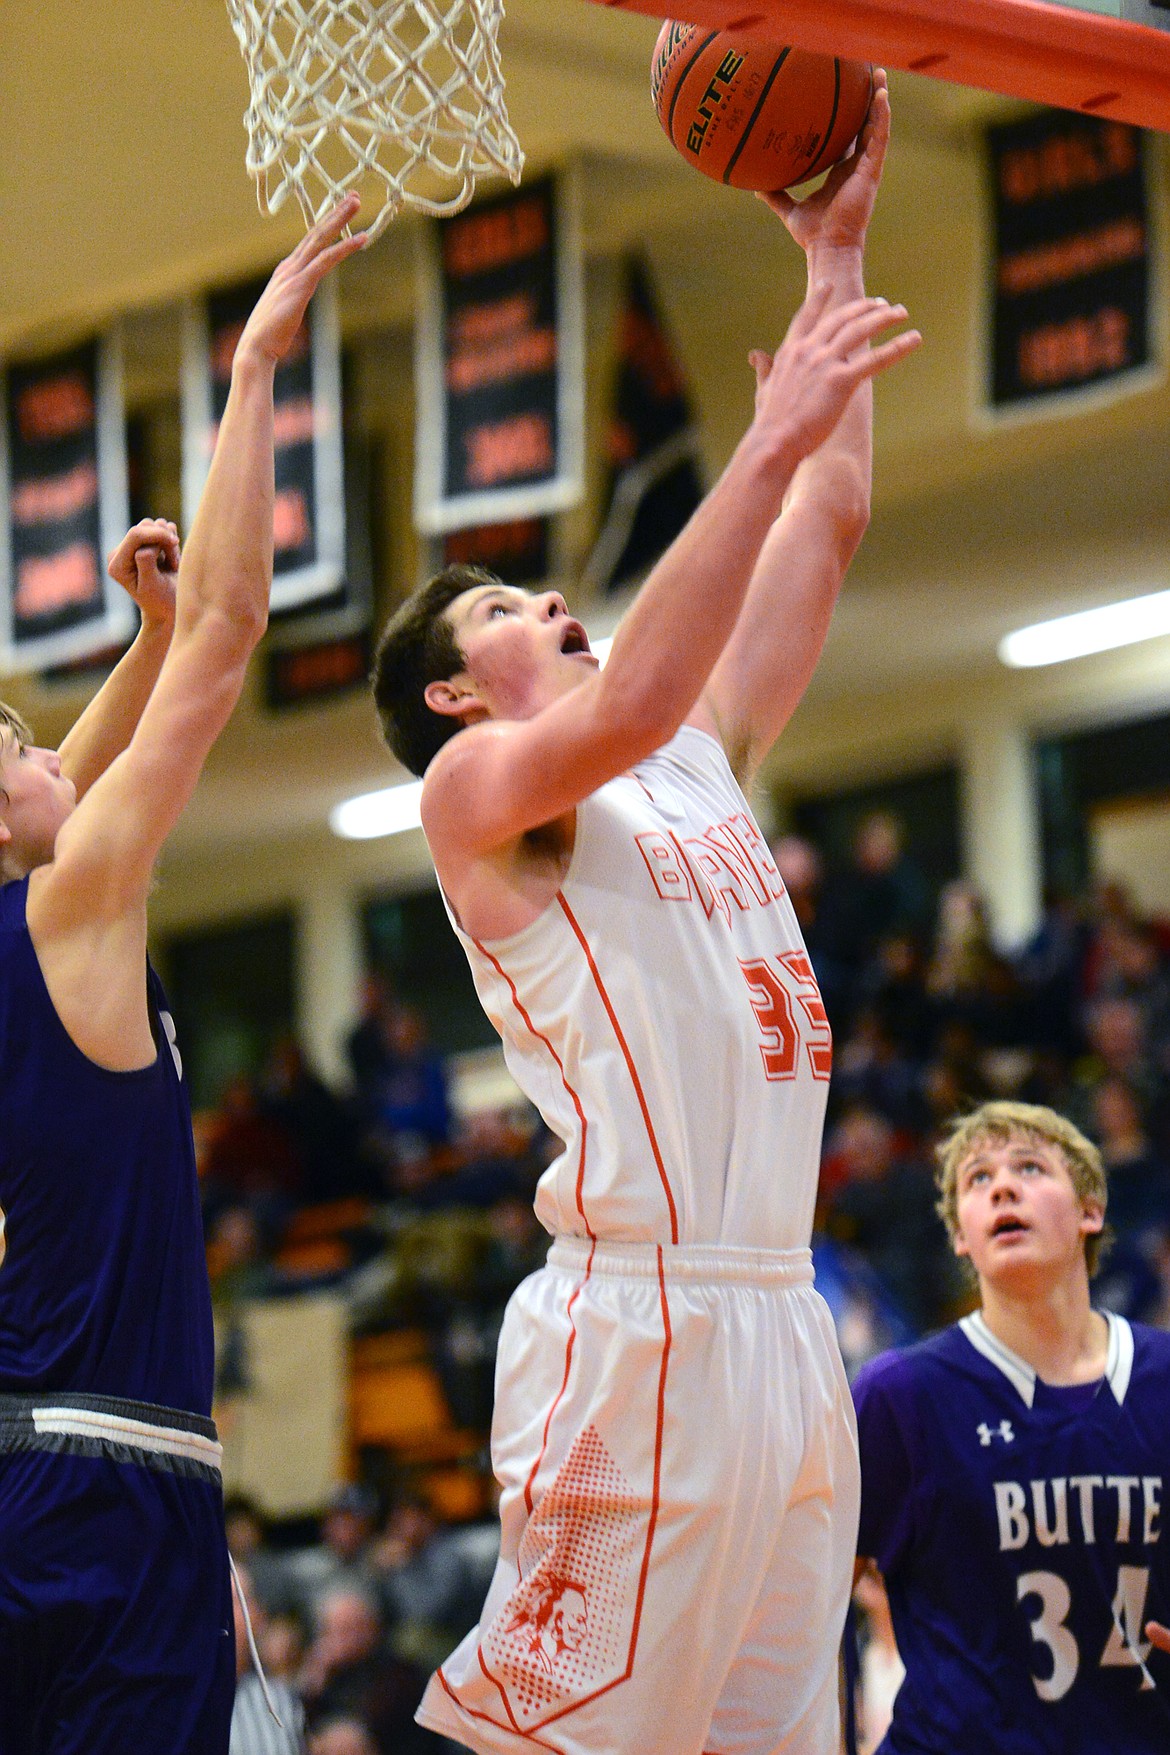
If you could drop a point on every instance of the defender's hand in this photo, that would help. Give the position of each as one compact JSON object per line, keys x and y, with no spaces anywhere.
{"x":144,"y":564}
{"x":278,"y":313}
{"x":837,"y":215}
{"x":1158,"y":1635}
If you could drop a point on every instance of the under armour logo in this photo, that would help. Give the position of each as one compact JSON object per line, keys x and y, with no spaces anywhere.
{"x":987,"y":1433}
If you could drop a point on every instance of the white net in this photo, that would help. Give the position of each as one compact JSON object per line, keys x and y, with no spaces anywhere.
{"x":402,"y":100}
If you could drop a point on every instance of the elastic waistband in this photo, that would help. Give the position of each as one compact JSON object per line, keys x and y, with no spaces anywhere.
{"x":169,"y":1439}
{"x":711,"y":1263}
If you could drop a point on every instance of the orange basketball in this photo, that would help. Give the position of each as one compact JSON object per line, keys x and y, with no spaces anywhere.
{"x":755,"y":115}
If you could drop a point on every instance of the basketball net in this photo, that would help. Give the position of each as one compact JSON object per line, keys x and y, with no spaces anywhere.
{"x":399,"y":97}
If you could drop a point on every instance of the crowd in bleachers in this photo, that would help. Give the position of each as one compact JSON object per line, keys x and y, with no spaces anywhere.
{"x":422,"y":1220}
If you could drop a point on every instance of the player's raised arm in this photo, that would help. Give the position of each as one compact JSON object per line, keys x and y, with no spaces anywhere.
{"x":144,"y":563}
{"x":106,"y":851}
{"x":536,"y":755}
{"x":777,"y":641}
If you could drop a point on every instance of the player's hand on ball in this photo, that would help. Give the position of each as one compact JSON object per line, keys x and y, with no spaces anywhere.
{"x":280,"y":309}
{"x":145,"y":563}
{"x":1158,"y":1635}
{"x":837,"y":215}
{"x":802,"y":391}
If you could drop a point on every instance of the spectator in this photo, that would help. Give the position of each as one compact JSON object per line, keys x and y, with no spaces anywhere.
{"x":349,"y":1674}
{"x":319,"y":1124}
{"x":894,"y":984}
{"x":431,"y":1595}
{"x":250,"y":1159}
{"x":342,"y":1557}
{"x":1139,"y":1179}
{"x":254,"y":1730}
{"x":236,"y":1262}
{"x":880,"y":892}
{"x":872,"y":1070}
{"x":967,"y":978}
{"x":882,"y":1669}
{"x":883,"y":1207}
{"x":370,"y":1044}
{"x":343,"y":1736}
{"x":247,"y":1540}
{"x":1051,"y":972}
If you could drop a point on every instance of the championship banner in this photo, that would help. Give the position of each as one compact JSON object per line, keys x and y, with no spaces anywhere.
{"x":64,"y":503}
{"x":654,"y":475}
{"x":309,"y":516}
{"x":1070,"y":296}
{"x":499,"y":354}
{"x":326,"y":648}
{"x":519,"y":551}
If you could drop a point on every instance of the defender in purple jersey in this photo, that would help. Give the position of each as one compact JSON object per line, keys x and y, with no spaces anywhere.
{"x":115,"y":1604}
{"x":1014,"y":1471}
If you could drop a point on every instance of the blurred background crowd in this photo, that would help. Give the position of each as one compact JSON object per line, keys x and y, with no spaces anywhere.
{"x":418,"y":1218}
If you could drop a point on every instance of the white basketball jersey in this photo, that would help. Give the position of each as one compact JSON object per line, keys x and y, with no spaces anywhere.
{"x":663,"y":1017}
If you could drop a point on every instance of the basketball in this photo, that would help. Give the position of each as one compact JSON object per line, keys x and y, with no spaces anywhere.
{"x":755,"y":115}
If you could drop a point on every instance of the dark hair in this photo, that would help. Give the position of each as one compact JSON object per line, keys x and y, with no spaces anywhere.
{"x":418,"y":647}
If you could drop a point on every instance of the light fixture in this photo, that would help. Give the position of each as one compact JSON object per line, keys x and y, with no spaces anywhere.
{"x":1089,"y":630}
{"x":389,"y":811}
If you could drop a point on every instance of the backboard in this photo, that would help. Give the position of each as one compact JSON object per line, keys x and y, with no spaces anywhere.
{"x":1108,"y":58}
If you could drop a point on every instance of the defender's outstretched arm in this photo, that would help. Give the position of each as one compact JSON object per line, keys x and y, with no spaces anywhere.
{"x":107,"y":849}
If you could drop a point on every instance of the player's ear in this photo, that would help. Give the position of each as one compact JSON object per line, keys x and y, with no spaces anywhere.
{"x":959,"y":1244}
{"x":1092,"y":1217}
{"x":451,"y":696}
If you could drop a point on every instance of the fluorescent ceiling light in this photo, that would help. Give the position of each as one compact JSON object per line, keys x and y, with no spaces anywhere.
{"x":1090,"y":630}
{"x":389,"y":811}
{"x":394,"y":809}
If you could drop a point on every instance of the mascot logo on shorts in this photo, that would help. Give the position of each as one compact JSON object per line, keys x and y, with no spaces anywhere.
{"x":555,"y":1622}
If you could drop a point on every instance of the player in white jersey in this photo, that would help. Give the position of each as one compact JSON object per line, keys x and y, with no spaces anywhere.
{"x":672,"y":1434}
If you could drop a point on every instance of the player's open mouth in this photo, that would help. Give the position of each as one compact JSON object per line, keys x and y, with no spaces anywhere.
{"x":574,"y":639}
{"x":1008,"y":1226}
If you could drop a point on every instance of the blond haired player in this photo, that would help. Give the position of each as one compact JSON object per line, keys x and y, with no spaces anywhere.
{"x":1013,"y":1471}
{"x":672,"y":1431}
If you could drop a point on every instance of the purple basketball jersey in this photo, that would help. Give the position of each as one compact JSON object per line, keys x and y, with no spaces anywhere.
{"x":1019,"y":1528}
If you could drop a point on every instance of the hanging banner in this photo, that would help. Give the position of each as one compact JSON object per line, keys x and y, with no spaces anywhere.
{"x":64,"y":502}
{"x":655,"y":481}
{"x":309,"y":514}
{"x":499,"y":389}
{"x":518,"y":551}
{"x":326,"y":647}
{"x":1071,"y":277}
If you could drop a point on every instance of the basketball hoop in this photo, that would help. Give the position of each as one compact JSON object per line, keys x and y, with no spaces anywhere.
{"x":402,"y":98}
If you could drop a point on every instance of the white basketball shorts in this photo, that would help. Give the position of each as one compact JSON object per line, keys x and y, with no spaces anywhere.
{"x":675,"y":1442}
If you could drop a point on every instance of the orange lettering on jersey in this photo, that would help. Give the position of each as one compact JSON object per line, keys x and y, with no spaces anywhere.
{"x":665,"y":866}
{"x":729,"y":863}
{"x":703,"y":889}
{"x":820,"y":1048}
{"x":780,"y":1049}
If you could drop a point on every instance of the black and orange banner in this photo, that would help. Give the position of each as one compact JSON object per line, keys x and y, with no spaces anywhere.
{"x":1070,"y":302}
{"x":498,"y":363}
{"x":309,"y":514}
{"x":655,"y":475}
{"x":63,"y":483}
{"x":325,"y":648}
